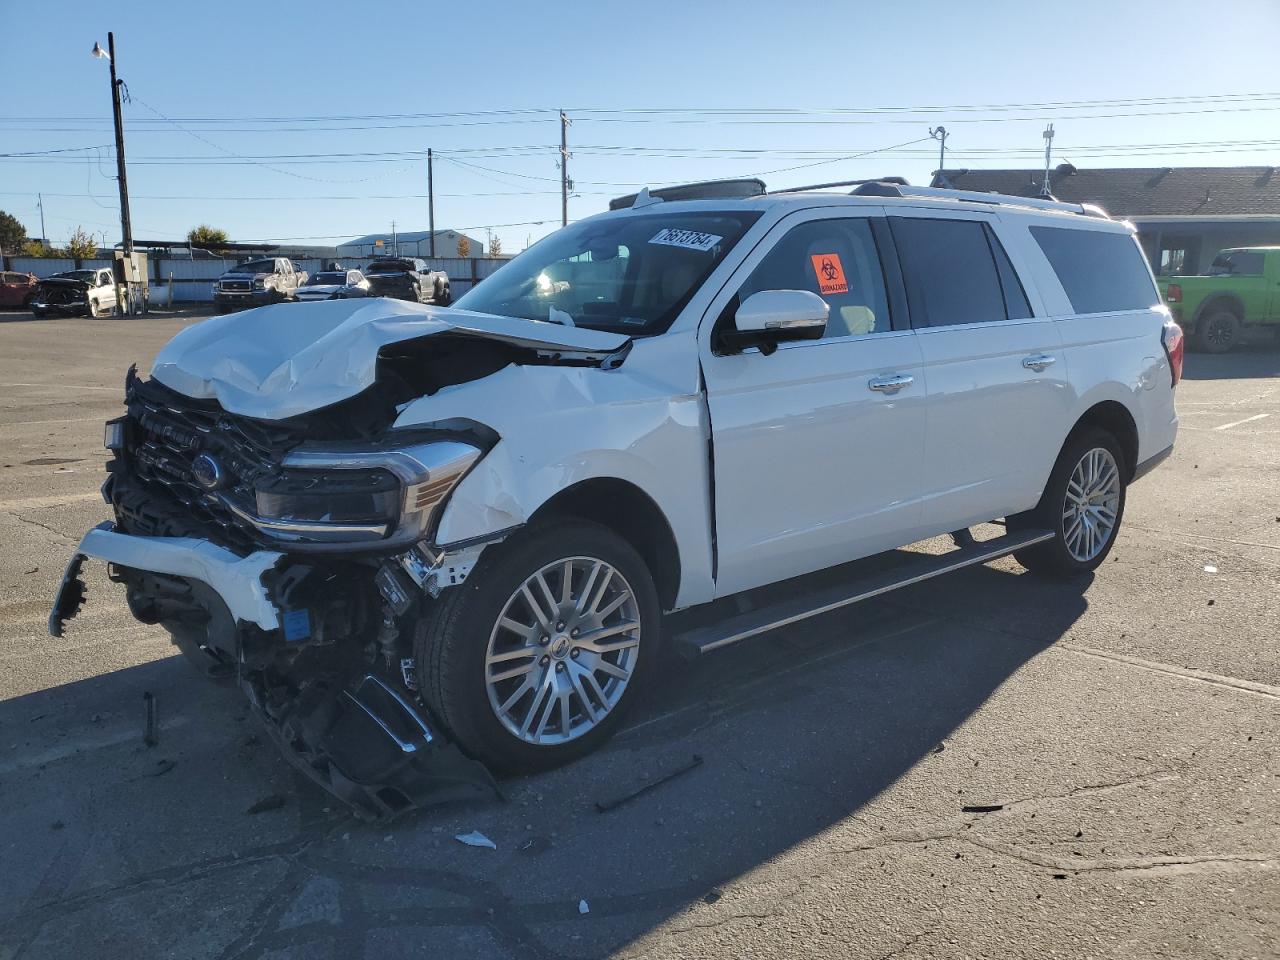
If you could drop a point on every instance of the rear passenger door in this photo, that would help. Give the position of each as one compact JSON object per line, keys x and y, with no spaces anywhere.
{"x":995,"y":373}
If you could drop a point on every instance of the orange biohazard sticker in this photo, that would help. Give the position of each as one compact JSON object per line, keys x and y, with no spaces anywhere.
{"x":830,"y":273}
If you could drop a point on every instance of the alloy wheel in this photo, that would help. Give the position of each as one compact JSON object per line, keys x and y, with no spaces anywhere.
{"x":1092,"y":504}
{"x":563,"y":650}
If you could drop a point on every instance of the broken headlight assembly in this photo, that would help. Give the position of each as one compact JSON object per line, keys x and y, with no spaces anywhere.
{"x":384,"y":497}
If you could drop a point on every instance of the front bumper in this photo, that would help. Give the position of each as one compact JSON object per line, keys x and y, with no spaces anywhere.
{"x":238,"y":581}
{"x":65,"y":309}
{"x":358,"y":732}
{"x":242,"y":298}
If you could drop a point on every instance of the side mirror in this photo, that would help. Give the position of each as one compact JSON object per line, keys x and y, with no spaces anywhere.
{"x":770,"y":317}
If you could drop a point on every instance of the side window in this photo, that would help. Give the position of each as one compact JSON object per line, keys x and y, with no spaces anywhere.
{"x":1101,"y":271}
{"x":1015,"y":298}
{"x":837,"y":260}
{"x":950,"y":272}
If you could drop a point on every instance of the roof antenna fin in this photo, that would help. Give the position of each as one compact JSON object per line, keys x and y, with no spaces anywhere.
{"x":644,"y":200}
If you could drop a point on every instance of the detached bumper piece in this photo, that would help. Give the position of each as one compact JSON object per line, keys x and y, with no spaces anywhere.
{"x":70,"y":596}
{"x":368,"y":746}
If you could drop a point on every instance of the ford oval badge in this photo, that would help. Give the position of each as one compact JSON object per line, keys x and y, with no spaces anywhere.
{"x":207,"y":471}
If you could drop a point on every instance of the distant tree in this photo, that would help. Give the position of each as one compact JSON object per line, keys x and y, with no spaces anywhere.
{"x":206,"y":236}
{"x":464,"y":246}
{"x":495,"y":246}
{"x":12,"y":232}
{"x":34,"y":248}
{"x":81,"y":245}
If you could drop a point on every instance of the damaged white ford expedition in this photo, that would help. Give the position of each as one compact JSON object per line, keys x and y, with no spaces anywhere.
{"x":428,"y":542}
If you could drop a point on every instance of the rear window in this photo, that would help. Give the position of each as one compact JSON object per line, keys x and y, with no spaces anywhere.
{"x":390,"y":266}
{"x":1237,"y":263}
{"x":1101,"y":272}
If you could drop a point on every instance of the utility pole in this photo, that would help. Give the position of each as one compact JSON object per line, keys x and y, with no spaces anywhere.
{"x":1048,"y":152}
{"x":431,"y":205}
{"x":126,"y":227}
{"x":44,"y":237}
{"x":395,"y":240}
{"x":564,"y":169}
{"x":940,"y":134}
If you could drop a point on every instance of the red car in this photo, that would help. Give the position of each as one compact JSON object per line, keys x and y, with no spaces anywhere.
{"x":17,"y":289}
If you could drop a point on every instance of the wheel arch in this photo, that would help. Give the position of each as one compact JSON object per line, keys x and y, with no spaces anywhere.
{"x":1115,"y":418}
{"x":632,"y":514}
{"x":1227,"y":301}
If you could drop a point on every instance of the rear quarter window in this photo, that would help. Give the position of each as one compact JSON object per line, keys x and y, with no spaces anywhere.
{"x":1100,"y":271}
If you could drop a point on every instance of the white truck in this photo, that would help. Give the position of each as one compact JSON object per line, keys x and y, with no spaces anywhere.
{"x":424,"y":537}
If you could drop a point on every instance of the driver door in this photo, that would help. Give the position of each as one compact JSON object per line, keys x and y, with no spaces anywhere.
{"x":818,"y":448}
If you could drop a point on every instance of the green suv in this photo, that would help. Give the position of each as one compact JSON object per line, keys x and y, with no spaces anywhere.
{"x":1240,"y":295}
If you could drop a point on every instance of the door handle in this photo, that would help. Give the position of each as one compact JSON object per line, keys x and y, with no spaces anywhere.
{"x":890,"y":384}
{"x":1038,"y":361}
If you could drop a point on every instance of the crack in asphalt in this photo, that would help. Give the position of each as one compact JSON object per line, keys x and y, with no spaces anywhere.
{"x":69,"y":541}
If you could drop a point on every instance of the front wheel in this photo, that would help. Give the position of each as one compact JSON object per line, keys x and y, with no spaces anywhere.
{"x":93,"y":309}
{"x":534,"y":659}
{"x":1083,"y":504}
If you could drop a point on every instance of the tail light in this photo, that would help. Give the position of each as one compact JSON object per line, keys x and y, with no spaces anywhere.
{"x":1174,"y":294}
{"x":1174,"y":343}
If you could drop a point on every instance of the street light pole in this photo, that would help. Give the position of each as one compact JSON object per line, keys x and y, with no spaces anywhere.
{"x":431,"y":205}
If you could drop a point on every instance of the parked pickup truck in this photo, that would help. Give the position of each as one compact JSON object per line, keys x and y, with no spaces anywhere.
{"x":257,"y":282}
{"x":88,"y":292}
{"x":1240,"y":295}
{"x":408,"y":278}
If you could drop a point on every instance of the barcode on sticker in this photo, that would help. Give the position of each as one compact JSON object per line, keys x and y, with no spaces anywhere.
{"x":689,"y":239}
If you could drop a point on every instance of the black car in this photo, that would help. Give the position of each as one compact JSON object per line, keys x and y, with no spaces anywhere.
{"x":407,"y":278}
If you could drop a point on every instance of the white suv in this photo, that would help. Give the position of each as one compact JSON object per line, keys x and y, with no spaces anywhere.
{"x":408,"y":529}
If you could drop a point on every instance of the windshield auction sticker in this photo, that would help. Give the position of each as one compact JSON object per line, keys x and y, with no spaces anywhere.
{"x":689,"y":239}
{"x":830,"y":273}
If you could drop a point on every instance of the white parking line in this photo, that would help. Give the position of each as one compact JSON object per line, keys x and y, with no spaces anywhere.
{"x":1256,"y":416}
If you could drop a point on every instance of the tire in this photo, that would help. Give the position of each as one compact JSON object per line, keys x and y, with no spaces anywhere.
{"x":39,"y":314}
{"x":445,"y":298}
{"x":93,"y":310}
{"x":1218,"y":331}
{"x":1071,"y":552}
{"x":488,"y":614}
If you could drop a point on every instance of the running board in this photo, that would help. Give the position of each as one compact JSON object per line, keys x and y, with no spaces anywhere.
{"x":732,"y":629}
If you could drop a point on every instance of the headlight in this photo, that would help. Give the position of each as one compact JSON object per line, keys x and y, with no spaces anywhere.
{"x":259,"y":284}
{"x":329,"y":494}
{"x":345,"y":497}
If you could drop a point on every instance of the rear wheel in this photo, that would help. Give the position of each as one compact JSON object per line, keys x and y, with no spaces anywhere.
{"x":1083,"y":504}
{"x":1218,"y":332}
{"x":534,"y":659}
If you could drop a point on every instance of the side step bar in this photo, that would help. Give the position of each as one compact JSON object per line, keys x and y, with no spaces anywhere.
{"x":732,"y":629}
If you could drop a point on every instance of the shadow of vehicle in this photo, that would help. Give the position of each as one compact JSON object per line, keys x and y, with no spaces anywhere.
{"x":209,"y":844}
{"x":1250,"y":361}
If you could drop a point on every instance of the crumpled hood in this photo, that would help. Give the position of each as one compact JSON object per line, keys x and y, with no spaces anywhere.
{"x":286,"y":359}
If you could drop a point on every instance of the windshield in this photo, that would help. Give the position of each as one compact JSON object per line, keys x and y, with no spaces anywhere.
{"x":630,"y":273}
{"x":86,"y":275}
{"x":255,"y":266}
{"x":327,"y":278}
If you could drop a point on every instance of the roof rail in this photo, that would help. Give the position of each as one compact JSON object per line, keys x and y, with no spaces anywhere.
{"x":898,"y":181}
{"x":886,"y":189}
{"x":706,"y":190}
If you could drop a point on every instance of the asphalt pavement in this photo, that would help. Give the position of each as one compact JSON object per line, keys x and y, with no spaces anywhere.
{"x":987,"y":765}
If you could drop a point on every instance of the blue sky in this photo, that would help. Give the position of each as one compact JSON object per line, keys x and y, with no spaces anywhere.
{"x":389,"y":64}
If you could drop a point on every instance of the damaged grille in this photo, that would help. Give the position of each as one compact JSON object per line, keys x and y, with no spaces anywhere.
{"x":237,"y":285}
{"x":166,"y":435}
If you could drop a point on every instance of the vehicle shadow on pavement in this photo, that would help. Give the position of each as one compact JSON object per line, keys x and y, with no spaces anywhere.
{"x":1250,"y":361}
{"x":211,"y":846}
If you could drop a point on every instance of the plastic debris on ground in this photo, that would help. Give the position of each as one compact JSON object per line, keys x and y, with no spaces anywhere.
{"x":1210,"y":568}
{"x":476,"y":839}
{"x":582,"y":907}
